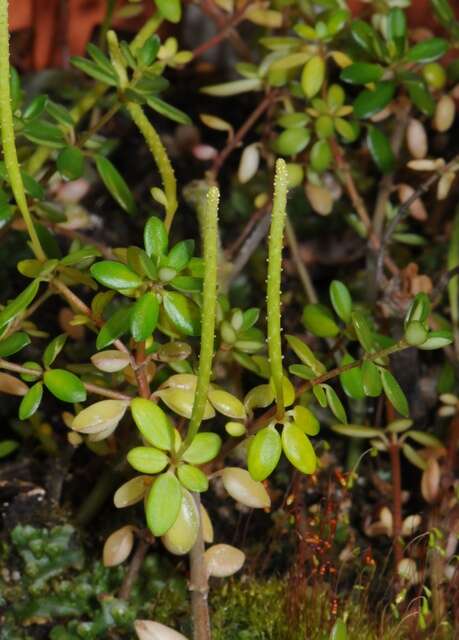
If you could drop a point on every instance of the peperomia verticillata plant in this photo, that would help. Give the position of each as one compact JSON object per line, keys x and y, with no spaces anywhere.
{"x":158,"y":331}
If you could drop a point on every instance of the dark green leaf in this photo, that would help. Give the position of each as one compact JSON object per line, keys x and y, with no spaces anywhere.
{"x":418,"y":92}
{"x":70,"y":163}
{"x":100,"y":59}
{"x":115,"y":275}
{"x":147,"y":53}
{"x":168,"y":111}
{"x":180,"y":255}
{"x":60,"y":114}
{"x":182,"y":312}
{"x":362,"y":73}
{"x":93,"y":70}
{"x":35,"y":108}
{"x":13,"y":344}
{"x":7,"y":447}
{"x":369,"y":102}
{"x":114,"y":327}
{"x":144,"y":316}
{"x":19,"y":304}
{"x":380,"y":150}
{"x":116,"y":184}
{"x":155,"y":237}
{"x":44,"y":133}
{"x":427,"y":50}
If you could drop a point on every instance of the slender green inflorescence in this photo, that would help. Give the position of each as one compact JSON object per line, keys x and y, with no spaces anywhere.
{"x":276,"y":238}
{"x":209,"y":232}
{"x":161,"y":158}
{"x":8,"y":140}
{"x":148,"y":131}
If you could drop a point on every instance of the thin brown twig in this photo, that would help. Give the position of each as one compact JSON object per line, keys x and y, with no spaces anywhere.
{"x":359,"y":205}
{"x":254,"y":218}
{"x":262,"y":106}
{"x":226,"y":30}
{"x":404,"y":208}
{"x":134,"y":567}
{"x":299,"y":263}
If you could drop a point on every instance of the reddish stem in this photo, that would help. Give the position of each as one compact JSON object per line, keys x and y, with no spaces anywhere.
{"x":394,"y":452}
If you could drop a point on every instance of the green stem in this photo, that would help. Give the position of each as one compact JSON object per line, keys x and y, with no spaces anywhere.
{"x":276,"y":239}
{"x":209,"y":301}
{"x":161,"y":158}
{"x":8,"y":140}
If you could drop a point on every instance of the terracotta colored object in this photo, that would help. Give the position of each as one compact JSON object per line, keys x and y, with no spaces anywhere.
{"x":50,"y":30}
{"x":420,"y":13}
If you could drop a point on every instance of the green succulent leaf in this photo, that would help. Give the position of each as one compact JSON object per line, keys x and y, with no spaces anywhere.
{"x":352,"y":380}
{"x":115,"y":275}
{"x":64,"y":385}
{"x":192,"y":478}
{"x":155,"y":237}
{"x":31,"y":401}
{"x":170,"y":9}
{"x":380,"y":150}
{"x":371,"y":379}
{"x":180,"y":255}
{"x":298,"y":449}
{"x":163,"y":503}
{"x":413,"y":456}
{"x":357,"y":431}
{"x":19,"y":304}
{"x":341,"y":300}
{"x":147,"y":459}
{"x":292,"y":141}
{"x":204,"y":448}
{"x":152,"y":423}
{"x":362,"y":73}
{"x":53,"y":349}
{"x":70,"y":163}
{"x":319,"y":321}
{"x":117,"y":324}
{"x":371,"y":101}
{"x":144,"y":316}
{"x":13,"y":344}
{"x":394,"y":392}
{"x":427,"y":50}
{"x":182,"y":312}
{"x":264,"y":452}
{"x":363,"y":330}
{"x":334,"y":403}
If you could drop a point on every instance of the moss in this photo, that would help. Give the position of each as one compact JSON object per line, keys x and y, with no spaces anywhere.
{"x":268,"y":610}
{"x":51,"y":589}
